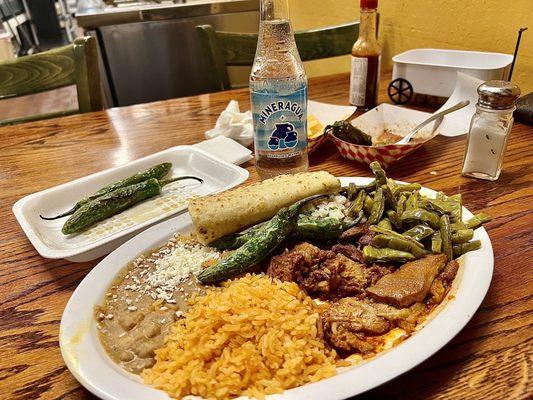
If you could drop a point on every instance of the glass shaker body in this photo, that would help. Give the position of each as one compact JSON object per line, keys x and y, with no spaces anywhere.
{"x":486,"y":143}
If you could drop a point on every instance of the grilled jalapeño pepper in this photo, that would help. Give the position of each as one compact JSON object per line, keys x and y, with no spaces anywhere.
{"x":115,"y":202}
{"x":157,"y":172}
{"x":257,"y":248}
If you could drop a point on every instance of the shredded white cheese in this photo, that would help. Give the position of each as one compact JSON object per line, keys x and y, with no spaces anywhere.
{"x":333,"y":207}
{"x":185,"y":259}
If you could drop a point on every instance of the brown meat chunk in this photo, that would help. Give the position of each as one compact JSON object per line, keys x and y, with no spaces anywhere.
{"x":354,"y":233}
{"x":341,"y":277}
{"x":348,"y":321}
{"x":350,"y":251}
{"x":336,"y":276}
{"x":293,"y":264}
{"x":449,"y":271}
{"x":410,"y":283}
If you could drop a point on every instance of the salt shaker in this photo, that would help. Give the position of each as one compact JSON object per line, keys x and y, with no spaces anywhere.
{"x":489,"y":129}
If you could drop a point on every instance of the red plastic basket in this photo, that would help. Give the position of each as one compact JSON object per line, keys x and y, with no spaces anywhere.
{"x":386,"y":155}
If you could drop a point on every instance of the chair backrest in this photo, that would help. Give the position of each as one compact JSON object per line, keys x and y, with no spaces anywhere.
{"x":75,"y":64}
{"x":222,"y":49}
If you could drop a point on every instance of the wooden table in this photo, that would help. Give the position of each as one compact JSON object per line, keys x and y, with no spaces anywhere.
{"x":490,"y":359}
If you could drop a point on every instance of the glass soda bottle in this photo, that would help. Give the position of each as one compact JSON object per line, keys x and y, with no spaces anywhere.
{"x":278,"y":91}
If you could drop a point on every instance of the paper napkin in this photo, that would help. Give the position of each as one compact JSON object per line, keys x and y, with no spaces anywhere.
{"x":226,"y":149}
{"x":233,"y":124}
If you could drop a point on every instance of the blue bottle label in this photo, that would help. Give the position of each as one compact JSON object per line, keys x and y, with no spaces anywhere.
{"x":280,"y":123}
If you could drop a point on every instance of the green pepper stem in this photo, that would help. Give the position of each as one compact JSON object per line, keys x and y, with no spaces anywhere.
{"x":71,"y":211}
{"x":164,"y":182}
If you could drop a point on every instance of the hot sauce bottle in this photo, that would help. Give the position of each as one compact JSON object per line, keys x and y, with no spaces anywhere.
{"x":366,"y":59}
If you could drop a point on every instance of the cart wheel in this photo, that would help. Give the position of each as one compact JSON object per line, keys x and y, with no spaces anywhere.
{"x":400,"y":91}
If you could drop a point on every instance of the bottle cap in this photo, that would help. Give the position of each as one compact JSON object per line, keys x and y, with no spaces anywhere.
{"x":369,"y":4}
{"x":497,"y":95}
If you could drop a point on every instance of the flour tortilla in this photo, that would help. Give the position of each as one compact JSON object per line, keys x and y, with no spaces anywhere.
{"x":218,"y":215}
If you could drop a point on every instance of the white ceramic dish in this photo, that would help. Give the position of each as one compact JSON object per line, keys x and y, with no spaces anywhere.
{"x":88,"y":362}
{"x":107,"y":235}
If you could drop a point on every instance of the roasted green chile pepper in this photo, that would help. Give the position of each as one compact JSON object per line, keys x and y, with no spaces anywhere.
{"x":263,"y":242}
{"x":157,"y":172}
{"x":344,"y":130}
{"x":115,"y":202}
{"x":236,"y":240}
{"x":323,"y":229}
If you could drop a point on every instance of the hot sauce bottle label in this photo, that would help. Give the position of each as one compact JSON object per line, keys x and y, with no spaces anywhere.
{"x":364,"y":80}
{"x":358,"y":80}
{"x":280,"y":123}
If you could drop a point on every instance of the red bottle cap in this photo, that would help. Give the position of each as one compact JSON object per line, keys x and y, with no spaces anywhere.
{"x":369,"y":3}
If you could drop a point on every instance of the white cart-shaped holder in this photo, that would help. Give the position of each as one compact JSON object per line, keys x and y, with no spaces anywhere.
{"x":433,"y":72}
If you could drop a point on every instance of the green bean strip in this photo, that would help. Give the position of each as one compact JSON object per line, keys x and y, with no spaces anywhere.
{"x":366,"y":187}
{"x":351,"y":191}
{"x":368,"y":203}
{"x":462,"y":248}
{"x":389,"y":197}
{"x":420,"y":215}
{"x":401,"y":204}
{"x":357,"y":205}
{"x":462,"y":236}
{"x":391,"y":183}
{"x":446,"y":235}
{"x":394,"y":242}
{"x":436,"y":243}
{"x":377,"y":208}
{"x":477,"y":220}
{"x":372,"y":254}
{"x":115,"y":202}
{"x":157,"y":172}
{"x":394,"y":219}
{"x":379,"y":173}
{"x":419,"y":232}
{"x":396,"y":234}
{"x":409,"y":187}
{"x":440,"y":206}
{"x":412,"y":201}
{"x":456,"y":214}
{"x":265,"y":240}
{"x":385,"y":223}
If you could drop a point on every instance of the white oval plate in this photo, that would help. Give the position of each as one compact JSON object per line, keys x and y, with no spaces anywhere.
{"x":88,"y":362}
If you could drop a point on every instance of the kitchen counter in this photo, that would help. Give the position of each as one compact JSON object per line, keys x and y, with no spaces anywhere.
{"x":136,"y":12}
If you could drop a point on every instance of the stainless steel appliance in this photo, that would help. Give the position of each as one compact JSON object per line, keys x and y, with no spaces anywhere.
{"x":151,"y":52}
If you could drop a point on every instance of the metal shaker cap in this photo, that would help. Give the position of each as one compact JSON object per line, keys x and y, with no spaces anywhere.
{"x":498,"y":95}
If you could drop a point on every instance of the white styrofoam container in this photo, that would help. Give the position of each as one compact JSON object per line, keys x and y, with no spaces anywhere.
{"x":434,"y":72}
{"x":107,"y":235}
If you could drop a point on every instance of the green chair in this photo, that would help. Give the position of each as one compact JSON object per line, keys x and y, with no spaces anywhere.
{"x":76,"y":64}
{"x":223,"y":49}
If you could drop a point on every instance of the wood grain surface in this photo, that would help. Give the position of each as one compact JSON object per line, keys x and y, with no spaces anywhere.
{"x":490,"y":359}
